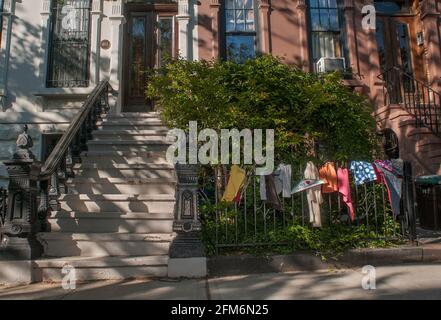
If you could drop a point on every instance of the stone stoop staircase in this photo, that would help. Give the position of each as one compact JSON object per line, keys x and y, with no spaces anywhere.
{"x":116,"y":219}
{"x":422,"y":146}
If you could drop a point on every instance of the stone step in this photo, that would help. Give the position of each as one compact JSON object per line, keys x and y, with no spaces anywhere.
{"x":125,"y":135}
{"x":61,"y":244}
{"x":131,"y":115}
{"x":428,"y":144}
{"x":102,"y":268}
{"x":112,"y":126}
{"x":123,"y":224}
{"x":127,"y":145}
{"x":111,"y":215}
{"x":117,"y":203}
{"x":123,"y":157}
{"x":121,"y":186}
{"x":132,"y":121}
{"x":138,"y":171}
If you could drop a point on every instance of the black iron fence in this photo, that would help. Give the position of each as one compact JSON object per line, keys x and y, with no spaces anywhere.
{"x":3,"y":207}
{"x":253,"y":223}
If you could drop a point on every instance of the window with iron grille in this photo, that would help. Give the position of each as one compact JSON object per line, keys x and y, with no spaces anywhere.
{"x":240,"y":30}
{"x":69,"y":44}
{"x":326,"y":29}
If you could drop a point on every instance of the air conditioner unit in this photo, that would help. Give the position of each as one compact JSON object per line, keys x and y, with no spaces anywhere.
{"x":330,"y":64}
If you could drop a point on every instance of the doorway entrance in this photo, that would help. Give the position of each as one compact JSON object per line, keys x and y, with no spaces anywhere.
{"x":398,"y":47}
{"x":150,"y":39}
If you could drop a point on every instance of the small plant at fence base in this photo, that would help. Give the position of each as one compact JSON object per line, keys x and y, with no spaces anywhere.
{"x":252,"y":227}
{"x":329,"y":241}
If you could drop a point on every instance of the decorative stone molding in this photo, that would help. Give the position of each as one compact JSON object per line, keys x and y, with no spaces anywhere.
{"x":117,"y":10}
{"x":215,"y":3}
{"x":46,"y":7}
{"x":264,"y":4}
{"x":97,"y":7}
{"x":183,"y":9}
{"x":301,"y":5}
{"x":348,"y":5}
{"x":8,"y":7}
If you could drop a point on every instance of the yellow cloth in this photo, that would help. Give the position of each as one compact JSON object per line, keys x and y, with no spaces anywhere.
{"x":235,"y":183}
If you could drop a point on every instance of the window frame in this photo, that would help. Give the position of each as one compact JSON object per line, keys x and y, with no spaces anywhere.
{"x":69,"y":83}
{"x":225,"y":34}
{"x":341,"y":34}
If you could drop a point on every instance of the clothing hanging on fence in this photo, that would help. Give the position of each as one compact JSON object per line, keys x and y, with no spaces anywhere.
{"x":313,"y":195}
{"x":285,"y":179}
{"x":235,"y":183}
{"x":278,"y":180}
{"x":329,"y":176}
{"x":282,"y":182}
{"x":363,"y":172}
{"x":344,"y":188}
{"x":262,"y":188}
{"x":390,"y":176}
{"x":272,"y":197}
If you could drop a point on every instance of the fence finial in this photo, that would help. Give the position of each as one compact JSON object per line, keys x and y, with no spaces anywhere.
{"x":24,"y":143}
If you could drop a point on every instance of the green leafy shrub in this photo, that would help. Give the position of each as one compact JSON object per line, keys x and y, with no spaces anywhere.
{"x":265,"y":93}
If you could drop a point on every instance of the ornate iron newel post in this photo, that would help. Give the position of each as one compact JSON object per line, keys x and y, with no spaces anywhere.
{"x":187,"y":224}
{"x":21,"y":222}
{"x":187,"y":254}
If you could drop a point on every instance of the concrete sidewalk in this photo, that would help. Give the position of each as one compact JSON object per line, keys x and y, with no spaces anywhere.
{"x":413,"y":281}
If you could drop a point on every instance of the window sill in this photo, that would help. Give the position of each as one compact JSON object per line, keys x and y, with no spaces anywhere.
{"x":353,"y":83}
{"x":63,"y":92}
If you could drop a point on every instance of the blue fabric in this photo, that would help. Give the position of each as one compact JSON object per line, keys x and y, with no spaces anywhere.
{"x":363,"y":172}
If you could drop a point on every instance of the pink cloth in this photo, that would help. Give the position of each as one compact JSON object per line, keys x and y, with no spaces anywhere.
{"x":344,"y":189}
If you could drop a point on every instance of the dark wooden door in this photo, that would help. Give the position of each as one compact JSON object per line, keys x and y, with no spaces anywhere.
{"x":150,"y":40}
{"x":139,"y":46}
{"x":397,"y":45}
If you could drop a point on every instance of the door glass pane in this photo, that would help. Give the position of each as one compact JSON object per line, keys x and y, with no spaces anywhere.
{"x":404,"y":41}
{"x":137,"y":53}
{"x":405,"y":55}
{"x":165,"y":44}
{"x":381,"y":44}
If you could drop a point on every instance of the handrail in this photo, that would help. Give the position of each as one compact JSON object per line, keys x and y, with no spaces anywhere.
{"x":418,"y":98}
{"x":53,"y":161}
{"x":400,"y":70}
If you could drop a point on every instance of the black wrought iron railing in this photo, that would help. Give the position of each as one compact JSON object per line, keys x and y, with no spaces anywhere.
{"x":419,"y":99}
{"x":58,"y":167}
{"x":3,"y":205}
{"x":34,"y":187}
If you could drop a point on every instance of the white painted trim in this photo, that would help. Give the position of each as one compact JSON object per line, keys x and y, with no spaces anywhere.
{"x":8,"y":15}
{"x":116,"y":55}
{"x":95,"y":39}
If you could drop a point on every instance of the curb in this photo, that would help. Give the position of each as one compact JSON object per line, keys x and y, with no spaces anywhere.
{"x":302,"y":261}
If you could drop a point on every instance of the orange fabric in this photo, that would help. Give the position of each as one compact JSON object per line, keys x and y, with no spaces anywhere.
{"x":329,"y":175}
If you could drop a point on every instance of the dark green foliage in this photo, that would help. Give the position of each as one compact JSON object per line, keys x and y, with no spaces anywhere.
{"x":265,"y":93}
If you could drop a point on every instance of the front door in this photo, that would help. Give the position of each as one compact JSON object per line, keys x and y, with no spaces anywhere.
{"x":397,"y":47}
{"x":149,"y":40}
